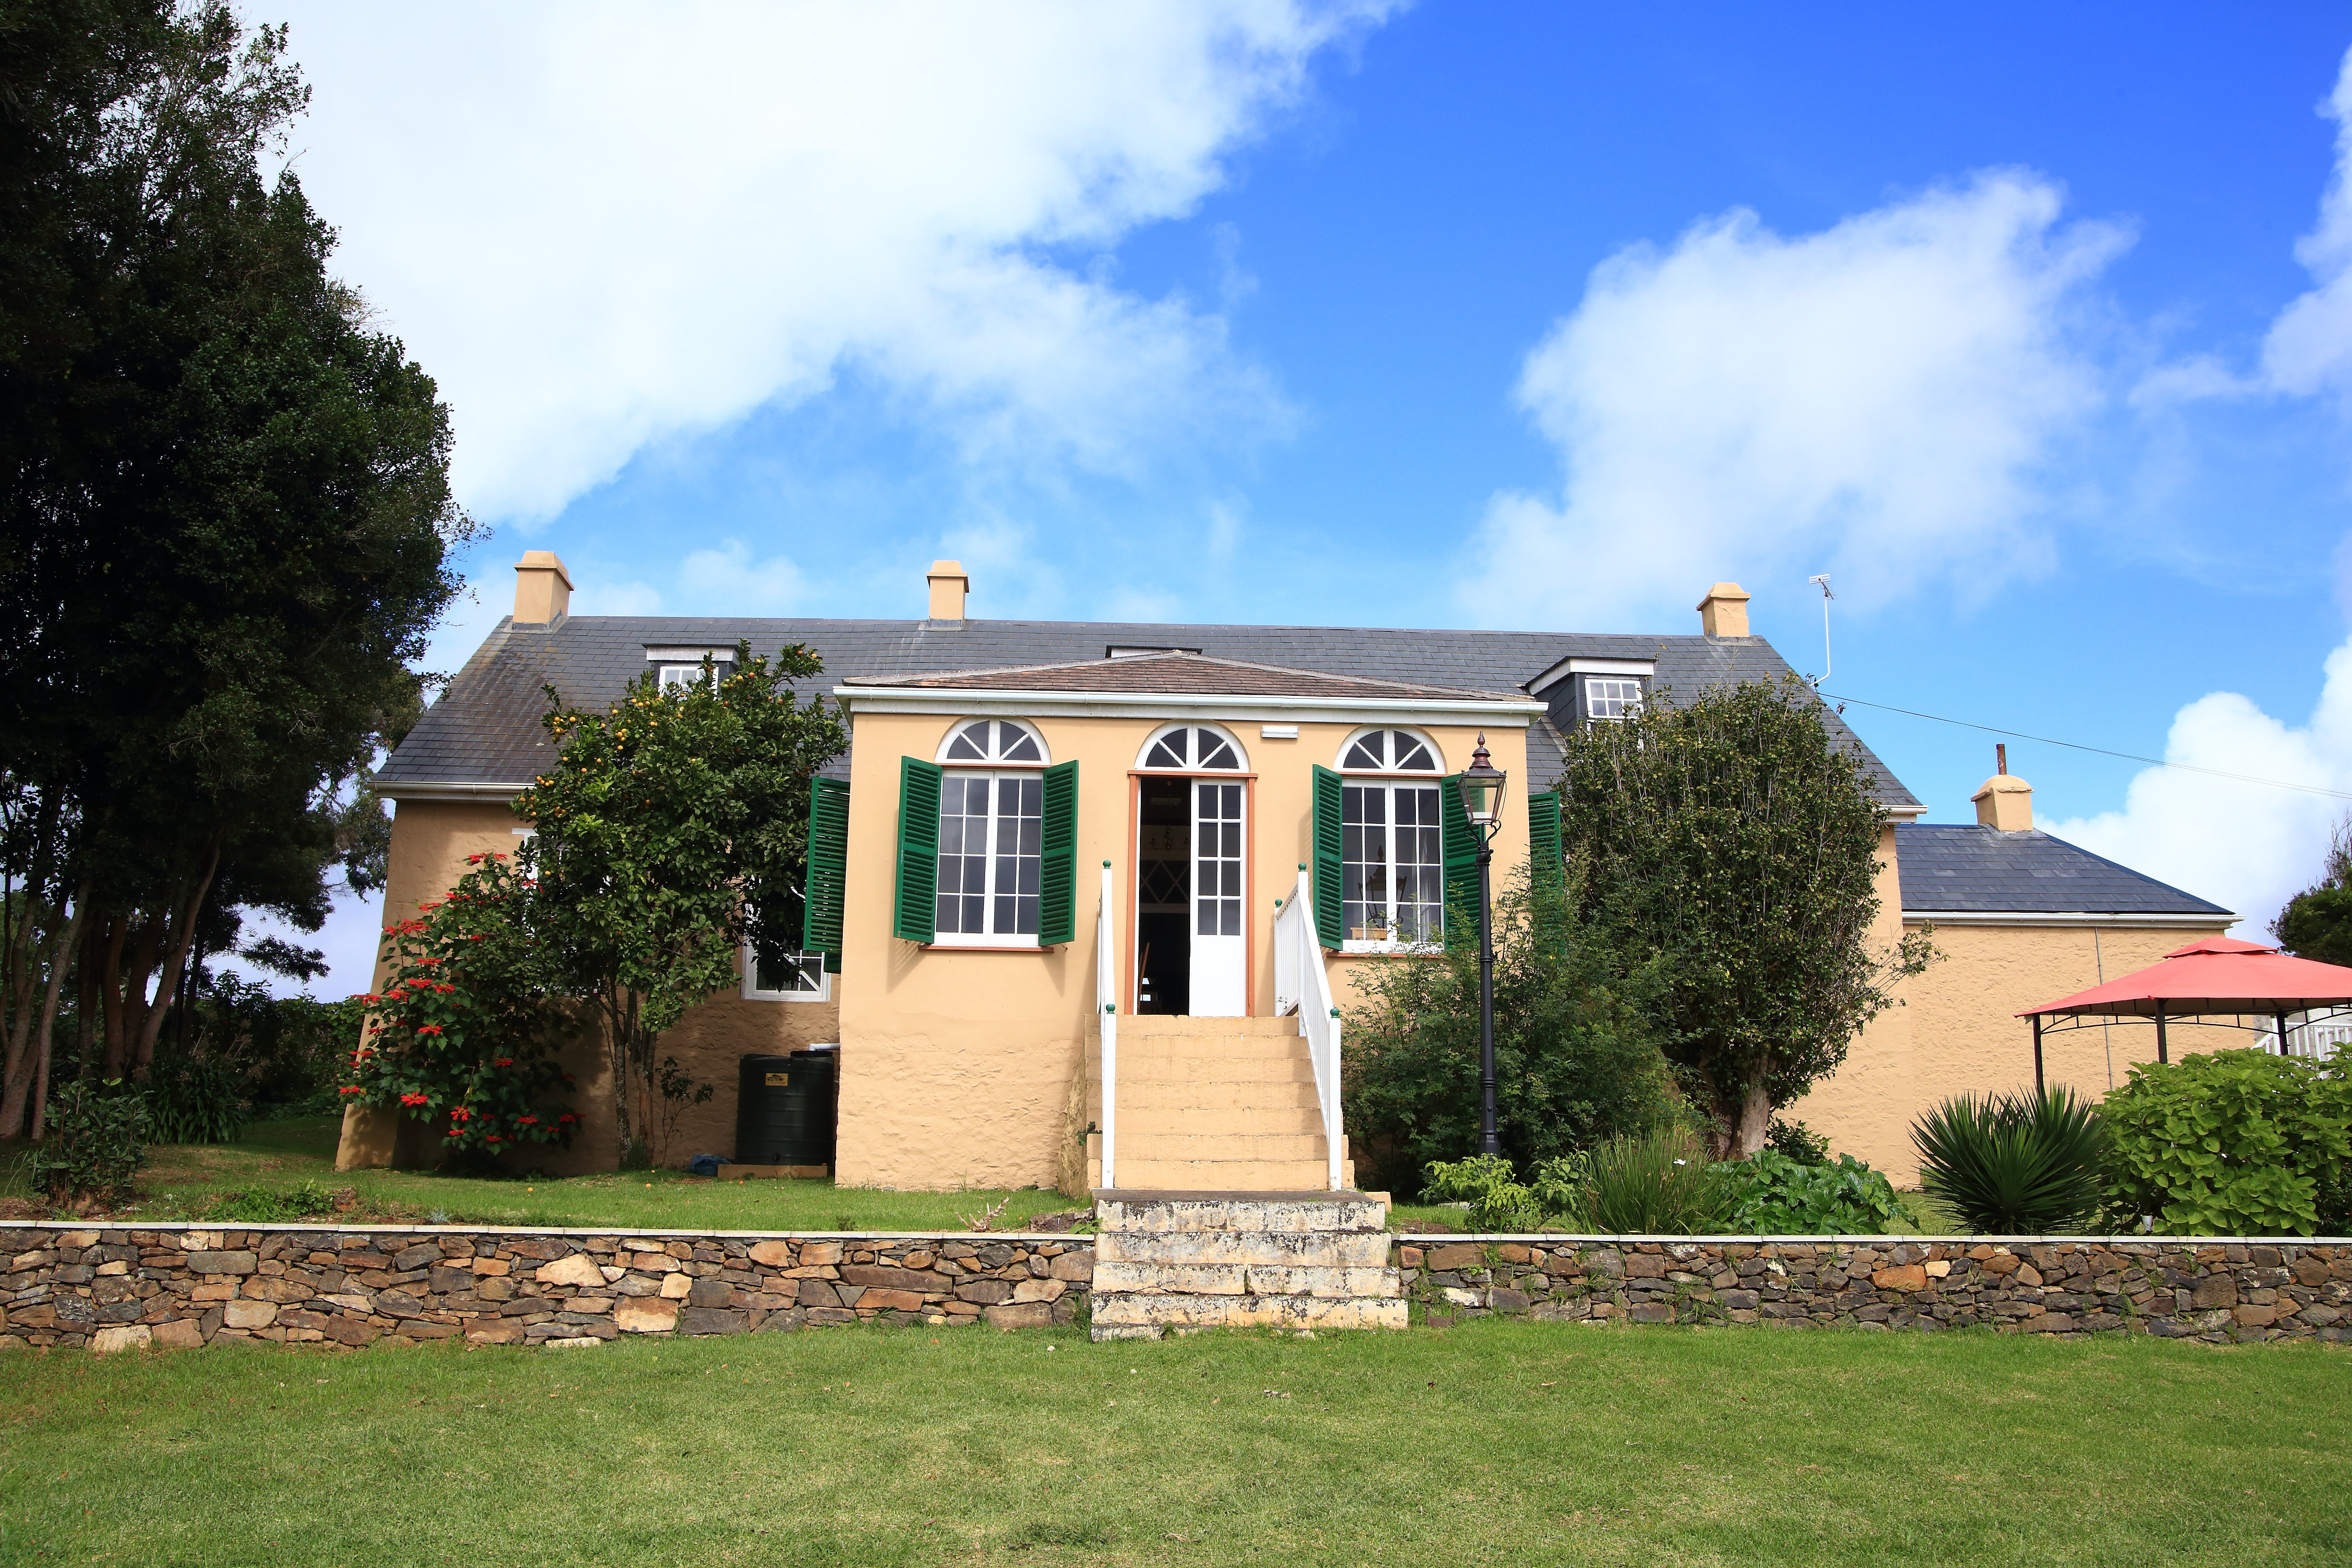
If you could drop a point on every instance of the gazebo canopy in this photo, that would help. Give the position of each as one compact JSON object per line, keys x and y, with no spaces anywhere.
{"x":2218,"y":974}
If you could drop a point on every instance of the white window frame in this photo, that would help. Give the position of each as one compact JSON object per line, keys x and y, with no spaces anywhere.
{"x":1191,"y":765}
{"x":1632,"y":705}
{"x":1437,"y":753}
{"x":996,"y":746}
{"x":752,"y":992}
{"x":1388,"y":783}
{"x":668,"y":674}
{"x":998,"y":776}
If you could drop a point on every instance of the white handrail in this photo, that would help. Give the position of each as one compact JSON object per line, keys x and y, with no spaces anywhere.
{"x":1106,"y":1014}
{"x":1301,"y":986}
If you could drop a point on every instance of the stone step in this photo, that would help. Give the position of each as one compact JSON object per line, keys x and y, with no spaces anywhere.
{"x":1242,"y":1279}
{"x":1219,"y":1175}
{"x":1136,"y":1144}
{"x":1211,"y":1249}
{"x":1127,"y":1316}
{"x":1203,"y":1046}
{"x":1262,"y":1069}
{"x":1154,"y":1094}
{"x":1142,"y":1025}
{"x":1129,"y":1211}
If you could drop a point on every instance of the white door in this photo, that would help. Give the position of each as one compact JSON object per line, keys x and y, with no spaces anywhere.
{"x":1220,"y":951}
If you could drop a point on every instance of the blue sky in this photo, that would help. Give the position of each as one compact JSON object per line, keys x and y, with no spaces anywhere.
{"x":2030,"y":330}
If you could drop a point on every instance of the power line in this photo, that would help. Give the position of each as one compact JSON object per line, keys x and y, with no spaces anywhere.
{"x":2101,"y":750}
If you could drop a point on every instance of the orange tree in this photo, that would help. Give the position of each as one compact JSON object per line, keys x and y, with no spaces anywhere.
{"x":463,"y":1036}
{"x":672,"y":829}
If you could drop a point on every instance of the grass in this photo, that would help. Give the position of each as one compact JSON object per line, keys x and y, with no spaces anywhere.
{"x":180,"y":1179}
{"x":1496,"y":1441}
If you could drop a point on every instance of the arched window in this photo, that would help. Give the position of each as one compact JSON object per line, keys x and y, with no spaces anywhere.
{"x":1193,"y":748}
{"x":992,"y":742}
{"x":1389,"y":752}
{"x":1392,"y":852}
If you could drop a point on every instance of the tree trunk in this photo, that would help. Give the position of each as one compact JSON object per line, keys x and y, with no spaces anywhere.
{"x":35,"y":1062}
{"x":618,"y":1024}
{"x":1755,"y":1111}
{"x":86,"y":1007}
{"x":126,"y":986}
{"x":183,"y":938}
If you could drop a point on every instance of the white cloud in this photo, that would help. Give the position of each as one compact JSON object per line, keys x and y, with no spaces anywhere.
{"x":729,"y":581}
{"x":2309,"y":349}
{"x":1874,"y":400}
{"x":2247,"y":847}
{"x":597,"y":225}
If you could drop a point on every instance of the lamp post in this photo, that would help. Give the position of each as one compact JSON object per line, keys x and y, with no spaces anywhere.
{"x":1482,"y":799}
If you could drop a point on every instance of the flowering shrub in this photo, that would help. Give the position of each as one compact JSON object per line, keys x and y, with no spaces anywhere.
{"x":463,"y":1035}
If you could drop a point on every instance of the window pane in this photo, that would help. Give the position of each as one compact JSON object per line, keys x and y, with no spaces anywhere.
{"x":970,"y":743}
{"x":1020,"y":746}
{"x":1411,"y":756}
{"x":1219,"y":755}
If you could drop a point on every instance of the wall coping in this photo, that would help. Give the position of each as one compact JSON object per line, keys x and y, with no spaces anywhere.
{"x":274,"y":1228}
{"x":1558,"y":1237}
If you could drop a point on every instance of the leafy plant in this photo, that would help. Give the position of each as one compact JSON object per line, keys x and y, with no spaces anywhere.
{"x":677,"y":1090}
{"x":1768,"y":1194}
{"x":1498,"y":1200}
{"x":2231,"y":1144}
{"x":463,"y":1036}
{"x":306,"y":1199}
{"x":97,"y":1142}
{"x":2021,"y":1164}
{"x":1657,"y":1183}
{"x":1578,"y":1051}
{"x":192,"y":1100}
{"x":1797,"y":1141}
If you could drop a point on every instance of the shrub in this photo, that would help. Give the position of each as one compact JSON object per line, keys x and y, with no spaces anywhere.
{"x":2019,"y":1164}
{"x":1577,"y":1052}
{"x":1657,"y":1183}
{"x":192,"y":1100}
{"x":1771,"y":1195}
{"x":463,"y":1036}
{"x":1498,"y":1200}
{"x":97,"y":1142}
{"x":2235,"y":1142}
{"x":1797,"y":1141}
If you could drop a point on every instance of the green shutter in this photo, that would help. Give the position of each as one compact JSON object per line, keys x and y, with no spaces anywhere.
{"x":1057,"y":871}
{"x":828,"y":863}
{"x":916,"y":918}
{"x":1546,"y":868}
{"x":1330,"y":871}
{"x":1458,"y":842}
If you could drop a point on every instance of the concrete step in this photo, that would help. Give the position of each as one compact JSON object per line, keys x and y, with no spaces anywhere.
{"x":1139,"y":1026}
{"x":1204,"y":1047}
{"x":1342,"y":1250}
{"x":1138,"y":1317}
{"x":1222,"y":1175}
{"x":1267,"y":1068}
{"x":1136,"y":1144}
{"x":1241,"y":1279}
{"x":1211,"y":1121}
{"x":1133,"y":1213}
{"x":1145,"y":1096}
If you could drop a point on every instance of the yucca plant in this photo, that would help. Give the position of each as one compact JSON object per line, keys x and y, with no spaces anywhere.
{"x":2012,"y":1165}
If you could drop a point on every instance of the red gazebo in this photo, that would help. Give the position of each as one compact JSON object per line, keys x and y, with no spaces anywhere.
{"x":2219,"y":977}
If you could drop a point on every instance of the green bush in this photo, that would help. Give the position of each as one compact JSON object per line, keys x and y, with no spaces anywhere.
{"x":1498,"y":1200}
{"x":192,"y":1099}
{"x":96,"y":1143}
{"x":2022,"y":1165}
{"x":1770,"y":1194}
{"x":1576,"y":1048}
{"x":1657,"y":1183}
{"x":1797,"y":1141}
{"x":2236,"y":1143}
{"x":306,"y":1199}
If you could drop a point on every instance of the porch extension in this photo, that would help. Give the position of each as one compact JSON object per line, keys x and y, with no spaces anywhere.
{"x":1212,"y":1105}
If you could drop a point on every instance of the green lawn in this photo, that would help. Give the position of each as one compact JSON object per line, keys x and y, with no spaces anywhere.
{"x":1500,"y":1441}
{"x":274,"y":1155}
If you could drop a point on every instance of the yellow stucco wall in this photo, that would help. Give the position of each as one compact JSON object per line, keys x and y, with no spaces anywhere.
{"x":1956,"y":1032}
{"x":958,"y":1066}
{"x":430,"y":842}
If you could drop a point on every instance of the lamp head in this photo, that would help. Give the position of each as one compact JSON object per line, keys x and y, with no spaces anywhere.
{"x":1482,"y":788}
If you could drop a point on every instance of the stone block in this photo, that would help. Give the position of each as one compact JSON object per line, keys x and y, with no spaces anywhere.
{"x":491,"y":1268}
{"x":1075,"y":1265}
{"x":1902,"y":1277}
{"x":1502,"y":1299}
{"x":494,"y":1334}
{"x":179,"y":1334}
{"x":1019,"y":1315}
{"x":1040,"y":1289}
{"x":653,"y":1262}
{"x":418,"y":1257}
{"x":676,"y":1287}
{"x":773,"y":1254}
{"x":447,"y":1281}
{"x":1461,"y":1254}
{"x":649,"y":1315}
{"x":1653,"y":1312}
{"x":584,"y":1341}
{"x":985,"y":1293}
{"x":710,"y":1292}
{"x":249,"y":1314}
{"x":875,"y":1298}
{"x":351,"y":1331}
{"x":2256,"y":1317}
{"x":579,"y":1270}
{"x":890,"y":1279}
{"x":2213,"y":1292}
{"x":1739,"y":1301}
{"x":819,"y":1254}
{"x":222,"y":1262}
{"x":1644,"y":1266}
{"x":1996,"y":1262}
{"x":712,"y":1321}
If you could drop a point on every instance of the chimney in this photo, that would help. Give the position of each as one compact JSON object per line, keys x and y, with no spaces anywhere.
{"x":542,"y":588}
{"x":2004,"y":803}
{"x":949,"y":586}
{"x":1724,"y":612}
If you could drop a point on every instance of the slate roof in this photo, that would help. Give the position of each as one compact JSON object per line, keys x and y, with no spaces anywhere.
{"x":1967,"y":868}
{"x":485,"y":728}
{"x":1182,"y":673}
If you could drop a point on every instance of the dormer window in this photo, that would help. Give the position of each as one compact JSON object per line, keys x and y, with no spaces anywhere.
{"x":675,"y":676}
{"x":1610,"y":696}
{"x":674,"y":667}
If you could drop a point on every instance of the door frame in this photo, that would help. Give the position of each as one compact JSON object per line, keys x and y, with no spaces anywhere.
{"x":1129,"y":899}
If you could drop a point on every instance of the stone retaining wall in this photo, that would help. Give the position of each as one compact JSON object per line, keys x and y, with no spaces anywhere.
{"x":2176,"y":1288}
{"x":117,"y":1287}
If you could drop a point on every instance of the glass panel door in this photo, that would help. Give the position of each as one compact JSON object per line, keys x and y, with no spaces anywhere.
{"x":1220,"y":952}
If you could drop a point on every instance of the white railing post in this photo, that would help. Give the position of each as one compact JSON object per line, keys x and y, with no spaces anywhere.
{"x":1300,"y":986}
{"x":1107,"y":1015}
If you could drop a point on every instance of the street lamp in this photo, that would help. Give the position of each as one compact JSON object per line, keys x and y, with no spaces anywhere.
{"x":1482,"y":799}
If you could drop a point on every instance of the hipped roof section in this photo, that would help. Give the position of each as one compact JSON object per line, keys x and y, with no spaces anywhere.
{"x":1182,"y":673}
{"x":484,"y":732}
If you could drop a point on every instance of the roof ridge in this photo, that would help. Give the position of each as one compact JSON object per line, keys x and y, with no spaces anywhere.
{"x":1136,"y":660}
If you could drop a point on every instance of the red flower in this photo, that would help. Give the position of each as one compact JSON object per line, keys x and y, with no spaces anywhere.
{"x":503,"y":1062}
{"x":567,"y":1116}
{"x":459,"y":1113}
{"x":429,"y":1029}
{"x":493,"y":1138}
{"x":415,"y":1099}
{"x":351,"y":1088}
{"x":527,"y":1120}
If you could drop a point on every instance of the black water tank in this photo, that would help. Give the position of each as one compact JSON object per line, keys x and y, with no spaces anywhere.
{"x":785,"y":1108}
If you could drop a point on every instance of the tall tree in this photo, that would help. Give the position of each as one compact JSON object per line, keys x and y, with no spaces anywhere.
{"x":1731,"y":835}
{"x":672,"y":829}
{"x":225,"y":509}
{"x":2317,"y":922}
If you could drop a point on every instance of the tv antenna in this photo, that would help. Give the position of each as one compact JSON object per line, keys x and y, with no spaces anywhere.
{"x":1822,"y":581}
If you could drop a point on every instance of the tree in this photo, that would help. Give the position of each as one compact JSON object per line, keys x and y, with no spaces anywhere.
{"x":224,"y":517}
{"x":2317,"y":922}
{"x":1729,"y":834}
{"x":673,"y":829}
{"x":1578,"y":1037}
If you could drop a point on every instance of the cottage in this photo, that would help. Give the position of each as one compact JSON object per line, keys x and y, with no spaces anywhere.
{"x":1079,"y":856}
